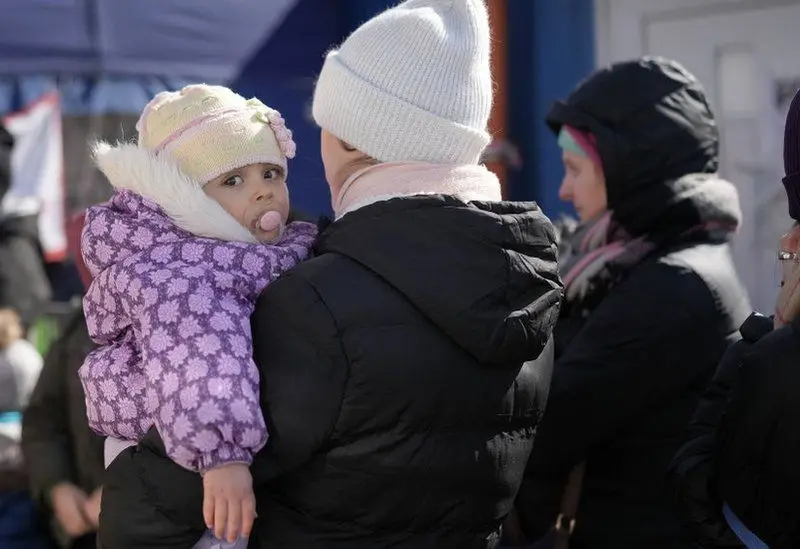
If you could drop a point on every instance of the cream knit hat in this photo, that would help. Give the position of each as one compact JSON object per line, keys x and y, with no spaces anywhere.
{"x":412,"y":84}
{"x":210,"y":130}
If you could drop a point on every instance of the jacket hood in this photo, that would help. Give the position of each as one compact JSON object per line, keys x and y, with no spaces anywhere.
{"x":124,"y":227}
{"x":653,"y":125}
{"x":130,"y":167}
{"x":485,"y":273}
{"x":154,"y":200}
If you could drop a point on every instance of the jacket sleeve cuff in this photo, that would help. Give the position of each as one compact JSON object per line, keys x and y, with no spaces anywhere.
{"x":226,"y":453}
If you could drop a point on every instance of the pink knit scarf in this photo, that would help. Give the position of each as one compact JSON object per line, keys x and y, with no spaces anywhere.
{"x":395,"y":179}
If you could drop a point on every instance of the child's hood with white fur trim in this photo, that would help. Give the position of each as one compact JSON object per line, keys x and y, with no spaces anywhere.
{"x":130,"y":167}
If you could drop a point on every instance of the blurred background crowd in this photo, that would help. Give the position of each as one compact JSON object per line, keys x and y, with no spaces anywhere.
{"x":72,"y":72}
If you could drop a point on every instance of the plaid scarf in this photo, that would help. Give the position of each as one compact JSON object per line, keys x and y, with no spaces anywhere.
{"x":595,"y":256}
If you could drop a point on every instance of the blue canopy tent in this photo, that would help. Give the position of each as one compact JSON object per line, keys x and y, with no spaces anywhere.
{"x":199,"y":39}
{"x":107,"y":58}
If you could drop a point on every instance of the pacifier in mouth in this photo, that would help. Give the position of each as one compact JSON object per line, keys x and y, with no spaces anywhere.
{"x":271,"y":222}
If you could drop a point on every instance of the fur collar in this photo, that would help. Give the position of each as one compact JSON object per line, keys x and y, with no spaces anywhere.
{"x":127,"y":166}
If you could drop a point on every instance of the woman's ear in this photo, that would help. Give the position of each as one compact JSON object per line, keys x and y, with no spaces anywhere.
{"x":347,"y":146}
{"x":355,"y":157}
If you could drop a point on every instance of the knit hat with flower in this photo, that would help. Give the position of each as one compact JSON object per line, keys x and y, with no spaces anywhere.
{"x":186,"y":139}
{"x":210,"y":130}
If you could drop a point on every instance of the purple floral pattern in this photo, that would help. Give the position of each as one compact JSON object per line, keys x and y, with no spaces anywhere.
{"x":170,"y":312}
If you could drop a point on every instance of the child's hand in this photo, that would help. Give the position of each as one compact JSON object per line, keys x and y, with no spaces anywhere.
{"x":229,"y":506}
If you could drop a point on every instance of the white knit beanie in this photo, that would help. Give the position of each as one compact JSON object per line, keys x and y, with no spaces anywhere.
{"x":412,"y":84}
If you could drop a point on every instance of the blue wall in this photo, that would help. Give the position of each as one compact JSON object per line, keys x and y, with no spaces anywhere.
{"x":551,"y":48}
{"x":355,"y":12}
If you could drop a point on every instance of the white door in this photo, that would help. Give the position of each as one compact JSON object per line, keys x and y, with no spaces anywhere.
{"x":746,"y":55}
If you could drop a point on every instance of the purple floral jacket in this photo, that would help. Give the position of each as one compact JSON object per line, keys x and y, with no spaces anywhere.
{"x":171,"y":313}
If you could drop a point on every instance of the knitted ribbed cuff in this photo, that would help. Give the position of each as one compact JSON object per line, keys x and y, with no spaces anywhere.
{"x":225,"y":454}
{"x":386,"y":127}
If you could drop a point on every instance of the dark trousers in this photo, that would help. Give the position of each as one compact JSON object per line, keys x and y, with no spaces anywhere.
{"x":89,"y":541}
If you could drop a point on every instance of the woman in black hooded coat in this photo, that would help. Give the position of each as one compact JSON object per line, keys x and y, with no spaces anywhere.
{"x":652,"y":302}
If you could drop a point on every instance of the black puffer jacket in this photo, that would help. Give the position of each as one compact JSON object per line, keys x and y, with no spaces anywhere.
{"x":692,"y":471}
{"x":400,"y":411}
{"x":758,"y":441}
{"x":631,"y":365}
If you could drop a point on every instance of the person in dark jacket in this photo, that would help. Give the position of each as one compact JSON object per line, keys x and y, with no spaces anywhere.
{"x":63,"y":456}
{"x":699,"y":507}
{"x":756,"y":476}
{"x":404,"y":369}
{"x":652,"y":302}
{"x":736,"y":477}
{"x":24,"y":285}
